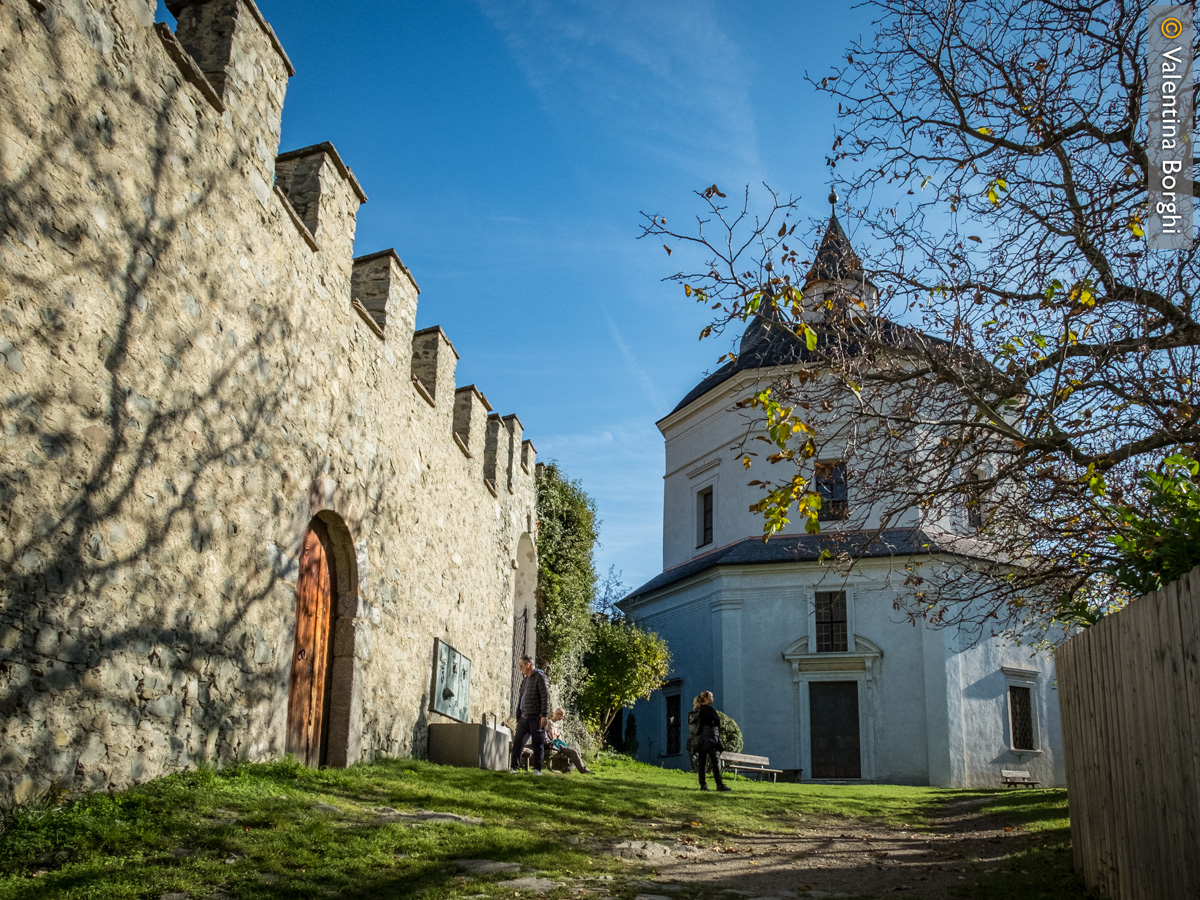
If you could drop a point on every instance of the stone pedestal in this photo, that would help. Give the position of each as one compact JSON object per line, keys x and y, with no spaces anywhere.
{"x":470,"y":745}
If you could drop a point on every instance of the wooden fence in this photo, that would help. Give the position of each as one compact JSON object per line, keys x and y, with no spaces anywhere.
{"x":1129,"y":691}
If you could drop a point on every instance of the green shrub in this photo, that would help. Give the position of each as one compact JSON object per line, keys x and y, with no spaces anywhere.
{"x":1158,"y":532}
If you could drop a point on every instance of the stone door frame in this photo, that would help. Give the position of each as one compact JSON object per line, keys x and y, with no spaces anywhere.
{"x":861,"y":665}
{"x":342,"y":727}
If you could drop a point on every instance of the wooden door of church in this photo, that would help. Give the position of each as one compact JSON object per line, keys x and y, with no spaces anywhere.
{"x":833,"y":725}
{"x":308,"y":697}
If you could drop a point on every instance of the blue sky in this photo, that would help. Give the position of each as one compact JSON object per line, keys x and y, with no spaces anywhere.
{"x":507,"y":147}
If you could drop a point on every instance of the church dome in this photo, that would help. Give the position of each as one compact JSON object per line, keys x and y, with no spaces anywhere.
{"x":768,"y":340}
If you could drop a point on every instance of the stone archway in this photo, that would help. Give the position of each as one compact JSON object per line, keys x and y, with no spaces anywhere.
{"x":324,"y":720}
{"x":524,"y":610}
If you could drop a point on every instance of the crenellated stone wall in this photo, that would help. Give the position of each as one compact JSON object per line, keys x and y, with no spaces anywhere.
{"x":194,"y":366}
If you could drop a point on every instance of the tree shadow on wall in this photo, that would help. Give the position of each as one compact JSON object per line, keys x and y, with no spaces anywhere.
{"x":151,"y":489}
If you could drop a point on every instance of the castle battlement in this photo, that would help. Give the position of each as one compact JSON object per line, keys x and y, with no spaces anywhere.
{"x":324,"y":195}
{"x":223,"y":440}
{"x":471,"y":410}
{"x":318,"y":191}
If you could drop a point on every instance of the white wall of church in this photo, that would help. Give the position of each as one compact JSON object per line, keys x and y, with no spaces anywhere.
{"x":977,"y":712}
{"x":704,"y":445}
{"x":928,"y":714}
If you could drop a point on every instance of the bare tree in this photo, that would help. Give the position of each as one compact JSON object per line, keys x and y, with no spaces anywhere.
{"x":1027,"y":354}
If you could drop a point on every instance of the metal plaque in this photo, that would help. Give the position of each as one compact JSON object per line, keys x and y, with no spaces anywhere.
{"x":451,"y":692}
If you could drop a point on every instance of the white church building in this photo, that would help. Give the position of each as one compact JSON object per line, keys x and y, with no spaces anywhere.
{"x":812,"y":661}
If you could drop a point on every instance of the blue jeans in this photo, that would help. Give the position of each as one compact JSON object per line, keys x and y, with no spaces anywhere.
{"x":529,"y":726}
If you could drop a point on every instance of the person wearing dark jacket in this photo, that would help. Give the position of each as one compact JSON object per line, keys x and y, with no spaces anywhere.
{"x":693,"y":730}
{"x":708,"y":741}
{"x":533,"y":708}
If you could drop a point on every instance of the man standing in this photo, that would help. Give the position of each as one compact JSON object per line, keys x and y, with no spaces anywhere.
{"x":532,"y":710}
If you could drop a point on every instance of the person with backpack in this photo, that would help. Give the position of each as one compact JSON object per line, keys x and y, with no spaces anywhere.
{"x":708,"y":741}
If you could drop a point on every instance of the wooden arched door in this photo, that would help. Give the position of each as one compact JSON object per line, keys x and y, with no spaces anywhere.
{"x":312,"y":654}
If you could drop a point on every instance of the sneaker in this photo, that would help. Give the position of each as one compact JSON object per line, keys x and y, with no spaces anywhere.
{"x":704,"y":787}
{"x":537,"y":771}
{"x":724,"y":787}
{"x":514,"y":771}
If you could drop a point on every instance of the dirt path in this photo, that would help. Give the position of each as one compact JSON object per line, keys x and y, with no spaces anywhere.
{"x":835,"y":857}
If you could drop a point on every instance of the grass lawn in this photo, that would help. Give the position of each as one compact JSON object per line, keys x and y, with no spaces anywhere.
{"x":278,"y":830}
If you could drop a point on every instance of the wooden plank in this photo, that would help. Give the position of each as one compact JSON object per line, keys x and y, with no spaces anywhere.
{"x":1129,"y":783}
{"x":1089,"y":743}
{"x":1158,"y":872}
{"x":1174,"y":727}
{"x":1112,"y":797}
{"x":1188,"y":612}
{"x":1086,"y":739}
{"x":1103,"y":826}
{"x":1121,"y":761}
{"x":1079,"y":782}
{"x":1154,"y":815}
{"x":746,"y":758}
{"x":1186,"y":818}
{"x":1068,"y":706}
{"x":1136,"y":843}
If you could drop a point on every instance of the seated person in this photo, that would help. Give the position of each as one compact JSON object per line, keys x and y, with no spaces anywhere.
{"x":555,"y":742}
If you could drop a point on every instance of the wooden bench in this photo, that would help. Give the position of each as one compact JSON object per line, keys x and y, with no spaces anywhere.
{"x":739,"y":763}
{"x":1017,"y":778}
{"x":553,"y":759}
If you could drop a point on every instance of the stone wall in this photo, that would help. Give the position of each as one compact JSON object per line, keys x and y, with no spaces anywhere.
{"x":193,"y":366}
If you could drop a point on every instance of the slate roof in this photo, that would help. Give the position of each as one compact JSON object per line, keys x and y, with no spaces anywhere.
{"x":869,"y":544}
{"x":777,"y":346}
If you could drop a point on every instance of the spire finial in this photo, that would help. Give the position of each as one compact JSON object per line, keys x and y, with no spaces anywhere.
{"x":833,"y":197}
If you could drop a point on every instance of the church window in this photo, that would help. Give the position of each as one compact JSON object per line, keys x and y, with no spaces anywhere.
{"x":674,"y":726}
{"x":1020,"y":705}
{"x":831,"y":485}
{"x":974,"y":499}
{"x":832,"y":632}
{"x":704,"y":517}
{"x":1021,"y":686}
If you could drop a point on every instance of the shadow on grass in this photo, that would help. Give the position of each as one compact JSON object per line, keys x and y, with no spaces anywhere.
{"x":1032,"y":830}
{"x":279,"y":830}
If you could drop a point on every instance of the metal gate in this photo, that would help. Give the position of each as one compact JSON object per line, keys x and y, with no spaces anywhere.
{"x":520,"y":635}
